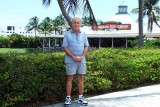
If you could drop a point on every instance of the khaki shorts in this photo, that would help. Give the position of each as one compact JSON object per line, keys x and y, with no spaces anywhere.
{"x":75,"y":68}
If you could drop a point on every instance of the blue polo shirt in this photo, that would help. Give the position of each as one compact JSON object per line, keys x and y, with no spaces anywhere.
{"x":75,"y":44}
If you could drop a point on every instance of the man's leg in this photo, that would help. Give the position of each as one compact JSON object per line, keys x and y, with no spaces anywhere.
{"x":80,"y":84}
{"x":68,"y":90}
{"x":69,"y":84}
{"x":81,"y":72}
{"x":70,"y":72}
{"x":81,"y":99}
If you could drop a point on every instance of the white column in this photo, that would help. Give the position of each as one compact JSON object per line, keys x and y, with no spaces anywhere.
{"x":99,"y":42}
{"x":49,"y":44}
{"x":43,"y":45}
{"x":55,"y":42}
{"x":112,"y":43}
{"x":126,"y":43}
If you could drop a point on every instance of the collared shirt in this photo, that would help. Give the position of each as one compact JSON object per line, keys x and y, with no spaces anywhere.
{"x":76,"y":44}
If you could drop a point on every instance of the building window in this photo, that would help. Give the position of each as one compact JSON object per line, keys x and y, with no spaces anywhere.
{"x":10,"y":28}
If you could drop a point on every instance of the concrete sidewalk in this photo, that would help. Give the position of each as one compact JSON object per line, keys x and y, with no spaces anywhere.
{"x":148,"y":96}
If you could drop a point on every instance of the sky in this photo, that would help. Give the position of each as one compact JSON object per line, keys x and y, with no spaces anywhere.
{"x":18,"y":12}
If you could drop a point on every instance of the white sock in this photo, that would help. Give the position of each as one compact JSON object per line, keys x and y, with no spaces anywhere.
{"x":68,"y":96}
{"x":80,"y":96}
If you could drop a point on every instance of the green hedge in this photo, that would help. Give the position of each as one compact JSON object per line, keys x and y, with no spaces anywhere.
{"x":42,"y":76}
{"x":154,"y":42}
{"x":20,"y":41}
{"x":127,"y":68}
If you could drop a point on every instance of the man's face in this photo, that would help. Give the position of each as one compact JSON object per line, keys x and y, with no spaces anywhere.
{"x":76,"y":24}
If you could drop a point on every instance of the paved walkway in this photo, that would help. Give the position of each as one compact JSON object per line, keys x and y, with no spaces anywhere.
{"x":148,"y":96}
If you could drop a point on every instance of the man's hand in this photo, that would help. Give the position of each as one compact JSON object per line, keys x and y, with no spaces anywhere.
{"x":78,"y":58}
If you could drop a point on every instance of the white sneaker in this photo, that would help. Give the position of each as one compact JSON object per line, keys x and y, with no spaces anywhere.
{"x":82,"y":101}
{"x":67,"y":102}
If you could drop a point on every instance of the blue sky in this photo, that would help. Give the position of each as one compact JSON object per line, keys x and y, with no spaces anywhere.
{"x":18,"y":12}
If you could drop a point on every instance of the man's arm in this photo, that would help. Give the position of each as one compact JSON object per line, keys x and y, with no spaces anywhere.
{"x":86,"y":46}
{"x":85,"y":51}
{"x":69,"y":53}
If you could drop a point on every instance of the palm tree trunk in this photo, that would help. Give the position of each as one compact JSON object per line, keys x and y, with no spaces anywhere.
{"x":65,"y":14}
{"x":140,"y":22}
{"x":91,"y":12}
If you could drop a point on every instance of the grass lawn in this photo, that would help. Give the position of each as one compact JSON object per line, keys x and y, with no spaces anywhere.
{"x":4,"y":51}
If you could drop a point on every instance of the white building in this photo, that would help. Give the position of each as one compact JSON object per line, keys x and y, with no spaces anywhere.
{"x":123,"y":17}
{"x":11,"y":29}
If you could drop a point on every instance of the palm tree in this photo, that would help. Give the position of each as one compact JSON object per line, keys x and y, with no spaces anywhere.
{"x":59,"y":23}
{"x":71,"y":7}
{"x":100,"y":22}
{"x":45,"y":26}
{"x":150,"y":8}
{"x":86,"y":21}
{"x":61,"y":5}
{"x":33,"y":25}
{"x":158,"y":18}
{"x":91,"y":14}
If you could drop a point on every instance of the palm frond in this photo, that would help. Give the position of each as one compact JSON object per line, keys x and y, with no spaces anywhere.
{"x":151,"y":19}
{"x":157,"y":9}
{"x":71,"y":6}
{"x":135,"y":11}
{"x":153,"y":2}
{"x":80,"y":6}
{"x":155,"y":19}
{"x":33,"y":24}
{"x":46,"y":2}
{"x":87,"y":11}
{"x":158,"y":18}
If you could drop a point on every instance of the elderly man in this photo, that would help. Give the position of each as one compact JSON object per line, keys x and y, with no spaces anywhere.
{"x":75,"y":45}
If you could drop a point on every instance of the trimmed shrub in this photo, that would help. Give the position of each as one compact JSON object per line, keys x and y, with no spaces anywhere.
{"x":20,"y":41}
{"x":154,"y":42}
{"x":42,"y":76}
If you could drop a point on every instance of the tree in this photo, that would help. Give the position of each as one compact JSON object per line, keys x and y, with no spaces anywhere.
{"x":71,"y":7}
{"x":86,"y":21}
{"x":45,"y":26}
{"x":158,"y":18}
{"x":100,"y":22}
{"x":150,"y":8}
{"x":58,"y":24}
{"x":33,"y":25}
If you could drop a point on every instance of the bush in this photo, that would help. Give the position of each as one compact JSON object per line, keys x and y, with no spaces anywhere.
{"x":32,"y":77}
{"x":4,"y":42}
{"x":42,"y":76}
{"x":20,"y":41}
{"x":154,"y":42}
{"x":127,"y":68}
